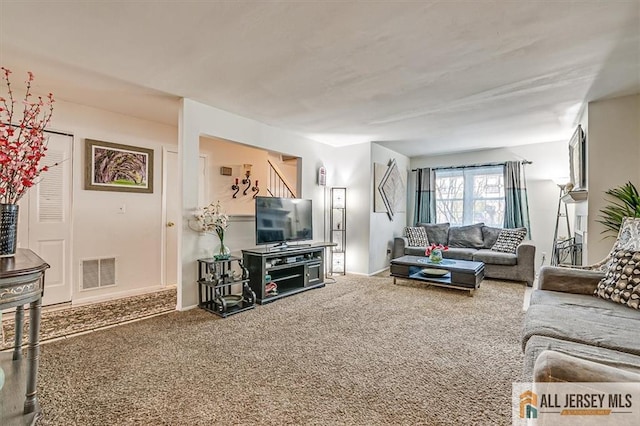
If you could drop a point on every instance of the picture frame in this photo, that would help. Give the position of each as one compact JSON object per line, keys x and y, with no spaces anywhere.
{"x":577,"y":159}
{"x":117,"y":167}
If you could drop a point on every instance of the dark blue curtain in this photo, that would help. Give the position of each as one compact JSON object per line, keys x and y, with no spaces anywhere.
{"x":425,"y":211}
{"x":516,"y":208}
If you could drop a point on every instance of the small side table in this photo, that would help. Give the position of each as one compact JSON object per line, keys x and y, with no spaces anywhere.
{"x":22,"y":282}
{"x":216,"y":278}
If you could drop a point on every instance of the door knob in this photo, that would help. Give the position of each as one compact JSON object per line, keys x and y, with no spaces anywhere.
{"x":170,"y":224}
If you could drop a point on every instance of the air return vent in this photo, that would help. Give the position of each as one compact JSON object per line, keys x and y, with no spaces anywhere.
{"x":98,"y":273}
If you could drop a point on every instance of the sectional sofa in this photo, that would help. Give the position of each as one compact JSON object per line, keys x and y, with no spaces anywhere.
{"x":570,"y":335}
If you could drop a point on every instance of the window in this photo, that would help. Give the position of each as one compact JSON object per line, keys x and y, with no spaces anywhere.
{"x":470,"y":195}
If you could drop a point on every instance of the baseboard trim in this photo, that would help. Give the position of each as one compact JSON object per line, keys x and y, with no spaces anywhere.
{"x":186,"y":308}
{"x":120,"y":295}
{"x":380,"y":271}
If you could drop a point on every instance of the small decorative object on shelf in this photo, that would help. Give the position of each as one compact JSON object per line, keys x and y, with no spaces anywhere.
{"x":271,"y":289}
{"x":434,"y":252}
{"x":212,"y":219}
{"x":22,"y":147}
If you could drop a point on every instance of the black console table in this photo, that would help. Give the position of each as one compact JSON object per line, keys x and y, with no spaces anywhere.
{"x":293,"y":270}
{"x":21,"y":282}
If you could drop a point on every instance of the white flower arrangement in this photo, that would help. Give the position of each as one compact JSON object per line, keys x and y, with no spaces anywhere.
{"x":211,"y":218}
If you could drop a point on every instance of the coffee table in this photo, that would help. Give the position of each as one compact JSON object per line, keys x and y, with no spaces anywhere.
{"x":450,"y":273}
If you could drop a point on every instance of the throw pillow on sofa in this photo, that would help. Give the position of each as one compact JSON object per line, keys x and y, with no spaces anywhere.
{"x":490,"y":236}
{"x":509,"y":240}
{"x":437,"y":233}
{"x":621,"y":284}
{"x":469,"y":236}
{"x":416,"y":236}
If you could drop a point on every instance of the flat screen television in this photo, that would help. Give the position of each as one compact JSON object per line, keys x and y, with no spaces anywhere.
{"x":282,"y":220}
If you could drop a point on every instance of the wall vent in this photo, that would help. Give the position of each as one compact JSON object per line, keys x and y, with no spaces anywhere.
{"x":98,"y":273}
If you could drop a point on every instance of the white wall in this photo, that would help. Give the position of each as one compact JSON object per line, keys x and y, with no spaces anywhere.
{"x":382,"y":230}
{"x":613,"y":146}
{"x":350,"y":167}
{"x":581,"y":209}
{"x":549,"y":160}
{"x":135,"y":237}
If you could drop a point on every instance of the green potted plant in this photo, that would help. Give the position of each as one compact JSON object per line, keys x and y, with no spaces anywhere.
{"x":626,"y":204}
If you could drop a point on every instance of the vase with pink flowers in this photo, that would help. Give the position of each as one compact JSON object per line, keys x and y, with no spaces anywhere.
{"x":435,"y":252}
{"x":23,"y":145}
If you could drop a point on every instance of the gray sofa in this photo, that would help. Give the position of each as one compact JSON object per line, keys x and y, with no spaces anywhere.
{"x":474,"y":242}
{"x":571,"y":335}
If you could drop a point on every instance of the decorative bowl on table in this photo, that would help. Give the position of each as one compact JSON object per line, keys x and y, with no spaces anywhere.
{"x":434,"y":272}
{"x":232,"y":299}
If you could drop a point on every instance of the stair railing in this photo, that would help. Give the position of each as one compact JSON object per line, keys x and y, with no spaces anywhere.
{"x":277,"y":185}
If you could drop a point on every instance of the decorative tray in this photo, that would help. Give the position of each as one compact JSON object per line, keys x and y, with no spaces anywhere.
{"x":433,"y":272}
{"x":232,"y":299}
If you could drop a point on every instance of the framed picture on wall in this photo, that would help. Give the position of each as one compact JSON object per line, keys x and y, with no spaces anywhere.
{"x":577,"y":159}
{"x":115,"y":167}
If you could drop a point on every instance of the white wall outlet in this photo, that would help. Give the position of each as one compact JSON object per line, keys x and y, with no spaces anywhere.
{"x":122,"y":209}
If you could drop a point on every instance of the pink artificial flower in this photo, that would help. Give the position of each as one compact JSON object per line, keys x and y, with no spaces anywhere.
{"x":22,"y":140}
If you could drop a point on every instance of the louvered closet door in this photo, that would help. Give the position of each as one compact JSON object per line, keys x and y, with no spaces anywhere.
{"x":49,"y":232}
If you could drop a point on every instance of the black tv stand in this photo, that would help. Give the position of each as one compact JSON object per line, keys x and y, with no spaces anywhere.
{"x":294,"y":270}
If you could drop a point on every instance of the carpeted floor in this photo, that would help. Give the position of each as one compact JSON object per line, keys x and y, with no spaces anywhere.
{"x":69,"y":321}
{"x":358,"y":352}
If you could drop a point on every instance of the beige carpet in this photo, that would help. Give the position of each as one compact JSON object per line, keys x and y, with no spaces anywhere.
{"x":358,"y":352}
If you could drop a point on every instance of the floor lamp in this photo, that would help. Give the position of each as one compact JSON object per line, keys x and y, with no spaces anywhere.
{"x":555,"y":255}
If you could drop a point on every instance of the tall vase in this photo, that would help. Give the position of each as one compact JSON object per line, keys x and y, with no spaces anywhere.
{"x":222,"y":252}
{"x":8,"y":229}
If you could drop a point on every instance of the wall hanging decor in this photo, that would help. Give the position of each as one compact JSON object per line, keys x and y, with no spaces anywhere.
{"x":116,"y":167}
{"x":245,"y":181}
{"x":392,"y":189}
{"x":577,"y":159}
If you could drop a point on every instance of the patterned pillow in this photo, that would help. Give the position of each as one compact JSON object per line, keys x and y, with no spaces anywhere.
{"x":417,"y":236}
{"x":621,"y":284}
{"x":509,"y":240}
{"x":629,"y":237}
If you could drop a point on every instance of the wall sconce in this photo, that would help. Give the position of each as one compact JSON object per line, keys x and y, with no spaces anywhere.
{"x":236,"y":188}
{"x":246,"y":181}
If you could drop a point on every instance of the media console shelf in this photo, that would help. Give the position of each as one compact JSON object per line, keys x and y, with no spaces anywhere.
{"x":293,"y":270}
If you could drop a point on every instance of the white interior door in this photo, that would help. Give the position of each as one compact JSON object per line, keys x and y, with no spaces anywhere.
{"x":46,"y":212}
{"x":174,"y":210}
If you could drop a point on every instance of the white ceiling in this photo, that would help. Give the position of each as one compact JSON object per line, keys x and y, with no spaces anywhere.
{"x":418,"y":77}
